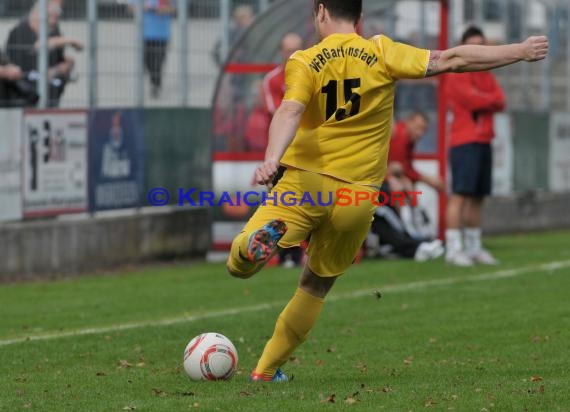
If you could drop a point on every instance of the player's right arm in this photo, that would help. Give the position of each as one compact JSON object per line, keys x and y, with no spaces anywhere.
{"x":281,"y":133}
{"x":471,"y":58}
{"x":299,"y":88}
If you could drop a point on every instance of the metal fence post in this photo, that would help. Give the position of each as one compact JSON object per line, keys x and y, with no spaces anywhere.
{"x":545,"y":69}
{"x":92,"y":65}
{"x":525,"y":68}
{"x":43,"y":85}
{"x":139,"y":55}
{"x":423,"y":23}
{"x":478,"y":15}
{"x":225,"y":21}
{"x":183,"y":35}
{"x":568,"y":57}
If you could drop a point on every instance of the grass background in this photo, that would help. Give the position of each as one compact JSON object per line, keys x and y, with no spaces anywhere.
{"x":465,"y":345}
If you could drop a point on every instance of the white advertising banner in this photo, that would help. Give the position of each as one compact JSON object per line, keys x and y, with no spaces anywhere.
{"x":559,"y":158}
{"x":10,"y":165}
{"x":55,"y":162}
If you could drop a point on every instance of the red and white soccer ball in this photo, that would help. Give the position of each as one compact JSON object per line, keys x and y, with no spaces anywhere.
{"x":210,"y":356}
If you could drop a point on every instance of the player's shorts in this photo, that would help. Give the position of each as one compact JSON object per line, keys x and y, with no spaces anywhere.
{"x":471,"y":166}
{"x":336,"y":231}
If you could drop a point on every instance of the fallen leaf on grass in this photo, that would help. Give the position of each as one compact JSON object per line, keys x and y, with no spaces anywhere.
{"x":295,"y":360}
{"x":535,"y":378}
{"x":541,"y":389}
{"x":350,"y":400}
{"x":387,"y":389}
{"x":129,"y":408}
{"x":319,"y":362}
{"x":329,"y":399}
{"x":429,"y":403}
{"x":159,"y":392}
{"x":124,"y":364}
{"x":363,"y":368}
{"x":245,"y":393}
{"x":408,"y":360}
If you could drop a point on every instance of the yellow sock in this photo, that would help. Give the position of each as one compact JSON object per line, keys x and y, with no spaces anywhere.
{"x":238,"y":262}
{"x":291,"y":329}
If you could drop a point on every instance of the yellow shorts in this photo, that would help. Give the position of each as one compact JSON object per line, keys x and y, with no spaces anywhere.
{"x":310,"y":205}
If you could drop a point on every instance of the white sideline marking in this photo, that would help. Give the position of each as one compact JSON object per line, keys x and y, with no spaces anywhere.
{"x":501,"y":274}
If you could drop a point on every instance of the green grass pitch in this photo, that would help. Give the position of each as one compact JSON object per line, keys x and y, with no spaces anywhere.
{"x":439,"y":338}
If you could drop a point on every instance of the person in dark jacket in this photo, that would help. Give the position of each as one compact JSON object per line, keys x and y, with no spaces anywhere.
{"x":23,"y":47}
{"x":10,"y":75}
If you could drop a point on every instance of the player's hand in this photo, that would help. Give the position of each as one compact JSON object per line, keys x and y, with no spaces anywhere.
{"x":265,"y":173}
{"x":535,"y":48}
{"x":12,"y":72}
{"x":76,"y":44}
{"x":439,"y":185}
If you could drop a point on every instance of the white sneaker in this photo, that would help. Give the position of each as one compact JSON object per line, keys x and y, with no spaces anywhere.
{"x":289,"y":264}
{"x":484,"y":257}
{"x":429,"y":250}
{"x":459,"y":259}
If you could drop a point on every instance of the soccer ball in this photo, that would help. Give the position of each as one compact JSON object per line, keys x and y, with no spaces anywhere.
{"x":210,"y":356}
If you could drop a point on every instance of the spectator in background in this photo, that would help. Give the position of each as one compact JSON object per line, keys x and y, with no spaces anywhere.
{"x":274,"y":81}
{"x":389,"y":236}
{"x":229,"y":119}
{"x":156,"y":34}
{"x":242,"y":18}
{"x":403,"y":176}
{"x":9,"y":75}
{"x":271,"y":94}
{"x":405,"y":136}
{"x":473,"y":98}
{"x":23,"y":45}
{"x":258,"y":121}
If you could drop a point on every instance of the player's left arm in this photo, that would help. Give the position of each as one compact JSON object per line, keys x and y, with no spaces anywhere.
{"x":471,"y":58}
{"x":281,"y":133}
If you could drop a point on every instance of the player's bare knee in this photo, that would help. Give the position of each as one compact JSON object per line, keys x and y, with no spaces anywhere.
{"x":315,"y":285}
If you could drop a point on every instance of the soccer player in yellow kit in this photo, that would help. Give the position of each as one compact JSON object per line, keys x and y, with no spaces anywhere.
{"x":332,"y":132}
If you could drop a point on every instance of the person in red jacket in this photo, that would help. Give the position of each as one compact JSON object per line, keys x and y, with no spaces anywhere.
{"x":402,"y":146}
{"x":473,"y":98}
{"x":274,"y":81}
{"x":402,"y":176}
{"x":272,"y":92}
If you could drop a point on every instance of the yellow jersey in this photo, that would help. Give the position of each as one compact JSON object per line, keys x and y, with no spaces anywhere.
{"x":347,"y":85}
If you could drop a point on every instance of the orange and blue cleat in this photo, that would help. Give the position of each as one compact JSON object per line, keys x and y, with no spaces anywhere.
{"x":263,"y":242}
{"x":259,"y":377}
